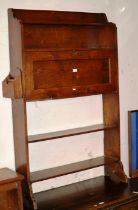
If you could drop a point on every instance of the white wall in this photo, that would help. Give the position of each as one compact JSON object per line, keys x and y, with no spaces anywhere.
{"x":126,"y":18}
{"x":75,"y":112}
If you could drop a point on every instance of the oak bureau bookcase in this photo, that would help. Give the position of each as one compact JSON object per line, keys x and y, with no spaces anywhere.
{"x":49,"y":61}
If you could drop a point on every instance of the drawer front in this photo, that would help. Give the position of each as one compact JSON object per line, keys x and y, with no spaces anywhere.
{"x":51,"y":37}
{"x":51,"y":75}
{"x":70,"y":73}
{"x":9,"y":186}
{"x":128,"y":206}
{"x":9,"y":200}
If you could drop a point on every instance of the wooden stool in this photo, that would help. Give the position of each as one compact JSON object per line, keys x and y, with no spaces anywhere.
{"x":10,"y":190}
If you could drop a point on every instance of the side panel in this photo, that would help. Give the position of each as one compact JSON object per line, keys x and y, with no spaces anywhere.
{"x":111,"y":116}
{"x":15,"y":81}
{"x":21,"y":147}
{"x":20,"y":136}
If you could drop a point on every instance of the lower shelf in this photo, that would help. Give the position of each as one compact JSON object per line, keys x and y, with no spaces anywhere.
{"x":96,"y":193}
{"x":71,"y":168}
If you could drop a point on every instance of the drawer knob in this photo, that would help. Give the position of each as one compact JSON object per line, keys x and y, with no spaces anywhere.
{"x":75,"y":70}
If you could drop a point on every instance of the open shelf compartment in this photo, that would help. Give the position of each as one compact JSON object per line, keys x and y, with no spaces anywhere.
{"x":71,"y":168}
{"x":69,"y":132}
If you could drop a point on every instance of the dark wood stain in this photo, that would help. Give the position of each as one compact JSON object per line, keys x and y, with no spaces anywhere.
{"x":97,"y":193}
{"x":66,"y":36}
{"x":58,"y":17}
{"x":57,"y":55}
{"x":50,"y":75}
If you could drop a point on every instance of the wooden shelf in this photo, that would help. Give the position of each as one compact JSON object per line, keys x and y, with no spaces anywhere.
{"x":95,"y":193}
{"x":70,"y":168}
{"x":69,"y":132}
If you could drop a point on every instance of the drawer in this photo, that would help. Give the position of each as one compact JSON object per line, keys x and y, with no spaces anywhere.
{"x":51,"y":75}
{"x":128,"y":206}
{"x":70,"y":73}
{"x":9,"y":186}
{"x":8,"y":200}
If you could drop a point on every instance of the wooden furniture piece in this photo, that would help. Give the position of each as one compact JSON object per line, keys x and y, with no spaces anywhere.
{"x":133,"y":142}
{"x":129,"y":206}
{"x":48,"y":61}
{"x":97,"y":193}
{"x":10,"y":190}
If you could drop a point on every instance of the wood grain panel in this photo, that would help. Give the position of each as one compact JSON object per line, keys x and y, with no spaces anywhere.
{"x":68,"y":37}
{"x":58,"y":17}
{"x":69,"y":73}
{"x":8,"y":200}
{"x":51,"y":75}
